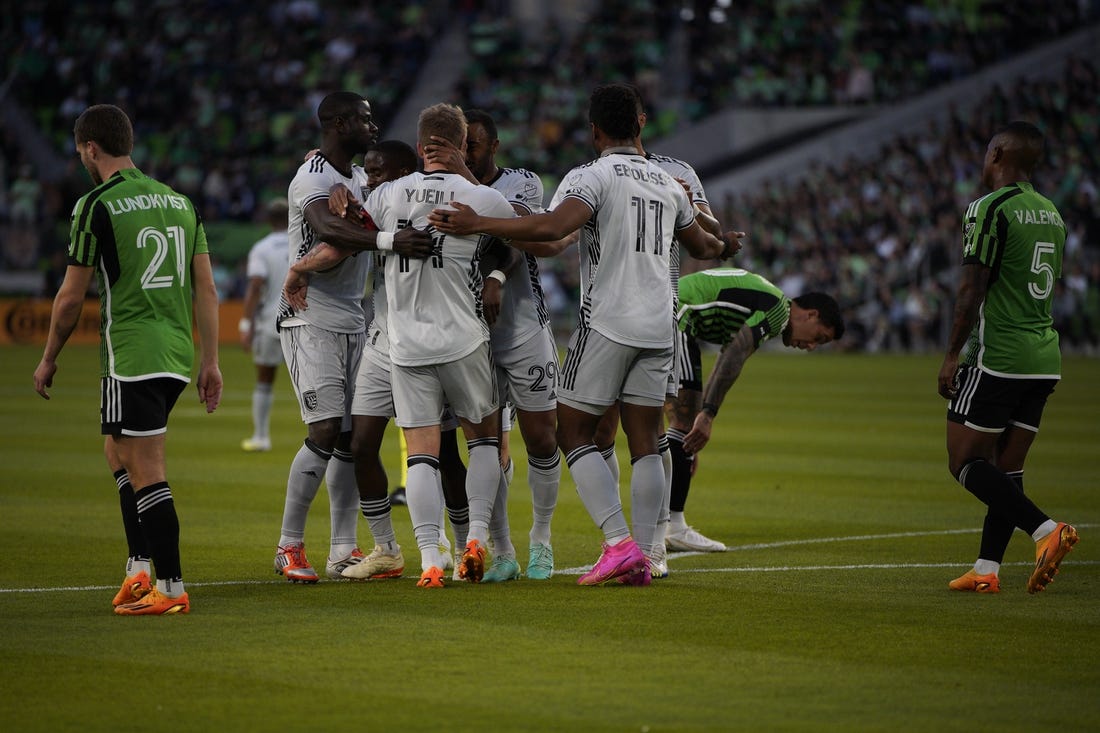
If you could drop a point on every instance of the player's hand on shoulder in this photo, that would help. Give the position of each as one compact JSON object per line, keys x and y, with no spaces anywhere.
{"x":458,"y":219}
{"x":342,"y":202}
{"x":412,"y":242}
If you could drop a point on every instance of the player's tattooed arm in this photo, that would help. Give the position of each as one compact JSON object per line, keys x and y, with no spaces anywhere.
{"x":727,"y":368}
{"x":320,"y":258}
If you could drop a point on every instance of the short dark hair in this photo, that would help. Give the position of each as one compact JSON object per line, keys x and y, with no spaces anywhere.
{"x":108,"y":126}
{"x":483,"y":118}
{"x":398,"y":154}
{"x":338,"y":104}
{"x":1023,"y":143}
{"x":828,"y":311}
{"x":614,"y":108}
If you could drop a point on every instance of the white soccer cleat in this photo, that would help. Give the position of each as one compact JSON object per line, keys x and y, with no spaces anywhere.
{"x":376,"y":566}
{"x":689,"y":540}
{"x":335,"y":570}
{"x":256,"y":445}
{"x":658,"y":562}
{"x":448,"y":561}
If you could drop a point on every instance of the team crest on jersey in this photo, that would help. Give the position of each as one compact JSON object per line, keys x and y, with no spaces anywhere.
{"x":364,"y":191}
{"x":529,"y":190}
{"x":574,"y":179}
{"x":309,"y":399}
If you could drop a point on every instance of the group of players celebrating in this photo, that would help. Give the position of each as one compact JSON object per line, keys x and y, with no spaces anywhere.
{"x":460,"y":337}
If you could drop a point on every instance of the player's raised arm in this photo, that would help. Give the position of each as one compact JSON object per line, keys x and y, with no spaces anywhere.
{"x":568,"y":217}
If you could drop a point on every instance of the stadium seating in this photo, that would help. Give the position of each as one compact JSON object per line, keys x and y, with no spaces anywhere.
{"x":883,"y":233}
{"x":223,"y":97}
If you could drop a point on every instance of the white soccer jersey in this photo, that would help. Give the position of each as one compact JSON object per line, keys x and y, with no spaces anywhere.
{"x":679,"y":169}
{"x":636,"y":210}
{"x":523,"y":309}
{"x":268,"y":259}
{"x":435,"y":303}
{"x":335,"y":296}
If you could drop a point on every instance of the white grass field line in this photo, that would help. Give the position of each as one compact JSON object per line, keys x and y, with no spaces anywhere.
{"x":673,"y":556}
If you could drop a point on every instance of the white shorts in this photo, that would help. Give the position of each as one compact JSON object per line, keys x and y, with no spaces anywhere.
{"x":266,"y":350}
{"x":421,"y":392}
{"x":374,"y":391}
{"x":373,"y":387}
{"x":322,"y":365}
{"x":597,"y":372}
{"x":527,"y":375}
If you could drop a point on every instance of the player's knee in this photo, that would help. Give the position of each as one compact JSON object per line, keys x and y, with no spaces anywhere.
{"x":961,"y":467}
{"x":543,"y":442}
{"x":324,"y":433}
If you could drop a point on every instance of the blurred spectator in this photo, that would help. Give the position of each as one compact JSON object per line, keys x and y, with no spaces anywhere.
{"x":24,"y":195}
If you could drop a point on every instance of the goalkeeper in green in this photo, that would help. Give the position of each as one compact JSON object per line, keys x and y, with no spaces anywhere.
{"x":739,"y":310}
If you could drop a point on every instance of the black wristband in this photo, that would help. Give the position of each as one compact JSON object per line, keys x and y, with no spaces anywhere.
{"x":726,"y":253}
{"x":711,"y":409}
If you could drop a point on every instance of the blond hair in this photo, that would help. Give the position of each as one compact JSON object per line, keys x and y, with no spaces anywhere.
{"x":442,"y":120}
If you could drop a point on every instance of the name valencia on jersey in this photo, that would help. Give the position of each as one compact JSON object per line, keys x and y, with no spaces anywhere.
{"x":1041,"y":216}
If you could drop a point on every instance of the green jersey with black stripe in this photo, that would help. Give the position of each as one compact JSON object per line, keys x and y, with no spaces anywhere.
{"x":140,"y":236}
{"x":1019,"y":235}
{"x":715,"y":304}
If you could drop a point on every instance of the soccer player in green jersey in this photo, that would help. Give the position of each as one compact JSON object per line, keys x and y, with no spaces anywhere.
{"x":1002,"y":359}
{"x":146,"y":245}
{"x":739,"y":310}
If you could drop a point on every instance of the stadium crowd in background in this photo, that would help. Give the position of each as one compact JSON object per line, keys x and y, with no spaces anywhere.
{"x":221,"y":77}
{"x":879,"y":234}
{"x":869,"y":52}
{"x":755,"y":54}
{"x":882,"y":234}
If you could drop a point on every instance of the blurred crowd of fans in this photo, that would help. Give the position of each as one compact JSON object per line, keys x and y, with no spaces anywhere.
{"x":828,"y":52}
{"x":223,"y":94}
{"x":536,"y":82}
{"x":225,"y":112}
{"x":885,"y":235}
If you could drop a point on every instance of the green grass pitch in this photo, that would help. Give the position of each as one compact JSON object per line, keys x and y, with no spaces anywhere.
{"x":826,"y":477}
